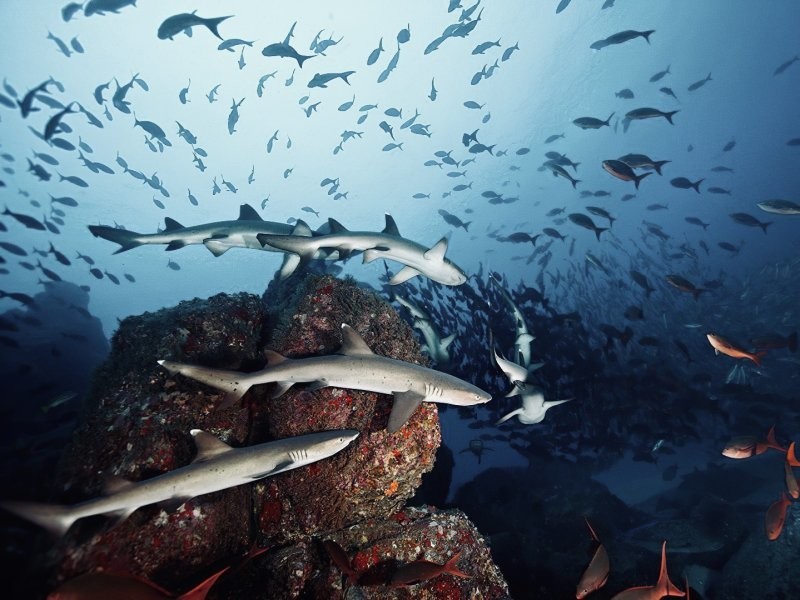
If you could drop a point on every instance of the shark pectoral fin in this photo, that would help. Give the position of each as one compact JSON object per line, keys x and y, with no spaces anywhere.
{"x":403,"y":275}
{"x":437,"y":251}
{"x":405,"y":403}
{"x":230,"y":399}
{"x":281,"y":387}
{"x":352,"y":343}
{"x":175,"y":245}
{"x":290,"y":263}
{"x":208,"y":446}
{"x":215,"y":246}
{"x":369,"y":255}
{"x":524,"y":338}
{"x":513,"y":413}
{"x":118,"y":516}
{"x":115,"y":484}
{"x":280,"y":467}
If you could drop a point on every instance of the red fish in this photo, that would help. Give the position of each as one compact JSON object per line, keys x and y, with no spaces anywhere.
{"x":596,"y":574}
{"x":723,"y":346}
{"x":102,"y":586}
{"x":776,"y":517}
{"x":747,"y":445}
{"x":423,"y":570}
{"x":791,"y":457}
{"x":791,"y":481}
{"x":340,"y":559}
{"x":663,"y":587}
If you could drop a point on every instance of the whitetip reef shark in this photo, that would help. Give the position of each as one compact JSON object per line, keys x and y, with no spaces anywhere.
{"x":354,"y":367}
{"x":534,"y":406}
{"x":386,"y":244}
{"x":217,"y":466}
{"x":435,"y":345}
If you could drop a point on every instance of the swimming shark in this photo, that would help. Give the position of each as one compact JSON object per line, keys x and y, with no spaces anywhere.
{"x":354,"y":367}
{"x":217,"y":466}
{"x":435,"y":346}
{"x":534,"y":406}
{"x":387,"y":244}
{"x":522,"y":338}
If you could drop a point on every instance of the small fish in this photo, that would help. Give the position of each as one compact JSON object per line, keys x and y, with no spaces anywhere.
{"x":433,"y":93}
{"x":698,"y":84}
{"x":509,"y":51}
{"x":173,"y":265}
{"x":625,"y":94}
{"x":375,"y":54}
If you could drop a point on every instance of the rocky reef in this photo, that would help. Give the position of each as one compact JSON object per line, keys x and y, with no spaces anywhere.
{"x":138,"y":427}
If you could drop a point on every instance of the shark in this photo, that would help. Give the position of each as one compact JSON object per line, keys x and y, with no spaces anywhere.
{"x":217,"y":466}
{"x":522,"y":339}
{"x":516,"y":374}
{"x":387,"y":244}
{"x":354,"y":367}
{"x":435,"y":345}
{"x":534,"y":406}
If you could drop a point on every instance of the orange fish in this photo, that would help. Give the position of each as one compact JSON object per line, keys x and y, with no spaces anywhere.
{"x":596,"y":574}
{"x":101,"y":586}
{"x":791,"y":458}
{"x":747,"y":445}
{"x":791,"y":481}
{"x":423,"y":570}
{"x":725,"y":347}
{"x":663,"y":587}
{"x":776,"y":516}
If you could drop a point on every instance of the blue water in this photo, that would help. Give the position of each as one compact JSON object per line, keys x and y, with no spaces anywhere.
{"x":552,"y":79}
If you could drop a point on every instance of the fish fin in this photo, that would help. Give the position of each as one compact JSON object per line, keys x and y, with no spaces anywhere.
{"x":591,"y":530}
{"x":405,"y":403}
{"x":281,"y":387}
{"x":115,"y":484}
{"x":200,"y":591}
{"x":248,"y":213}
{"x":451,"y":569}
{"x":336,"y":227}
{"x":125,"y":239}
{"x":208,"y":446}
{"x":214,"y":245}
{"x":314,"y":386}
{"x":791,"y":457}
{"x":212,"y":24}
{"x":445,"y":342}
{"x":403,"y":275}
{"x":274,"y":358}
{"x":280,"y":467}
{"x":391,"y":227}
{"x":437,"y":251}
{"x":55,"y":518}
{"x":171,"y":224}
{"x":508,"y":416}
{"x":302,"y":228}
{"x":638,"y":178}
{"x":352,"y":343}
{"x":290,"y":264}
{"x":175,"y":245}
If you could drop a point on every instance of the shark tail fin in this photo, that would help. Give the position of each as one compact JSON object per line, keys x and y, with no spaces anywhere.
{"x":126,"y":239}
{"x":54,"y":518}
{"x":233,"y":383}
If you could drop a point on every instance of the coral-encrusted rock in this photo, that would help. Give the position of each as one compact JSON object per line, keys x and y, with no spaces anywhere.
{"x":141,"y":416}
{"x":379,"y":471}
{"x":376,"y":548}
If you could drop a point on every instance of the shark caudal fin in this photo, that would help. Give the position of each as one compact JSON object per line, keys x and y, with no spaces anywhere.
{"x":126,"y":239}
{"x":233,"y":383}
{"x":55,"y":518}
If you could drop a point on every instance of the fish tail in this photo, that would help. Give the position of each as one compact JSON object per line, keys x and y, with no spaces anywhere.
{"x":599,"y":230}
{"x":696,"y":184}
{"x":668,"y":116}
{"x":640,"y":177}
{"x":233,"y":383}
{"x":54,"y":518}
{"x":697,"y":291}
{"x":764,"y":226}
{"x":467,"y":224}
{"x":658,"y":164}
{"x":301,"y":58}
{"x":451,"y":568}
{"x":126,"y":239}
{"x":608,"y":120}
{"x":575,"y":183}
{"x":646,"y":35}
{"x":212,"y":25}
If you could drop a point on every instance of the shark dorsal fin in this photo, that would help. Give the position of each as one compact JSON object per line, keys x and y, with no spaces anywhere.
{"x":171,"y":224}
{"x":352,"y":343}
{"x":301,"y":228}
{"x":274,"y":358}
{"x":391,"y":226}
{"x":336,"y":227}
{"x":437,"y":251}
{"x":208,"y":446}
{"x":115,"y":484}
{"x":248,"y":213}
